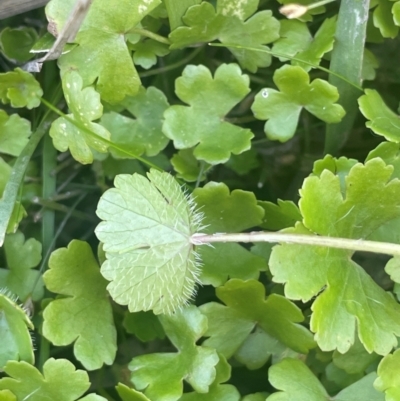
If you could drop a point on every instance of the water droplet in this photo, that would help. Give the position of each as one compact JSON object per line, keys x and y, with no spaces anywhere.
{"x":264,"y":93}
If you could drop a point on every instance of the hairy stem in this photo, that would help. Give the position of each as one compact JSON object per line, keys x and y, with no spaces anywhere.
{"x":314,"y":240}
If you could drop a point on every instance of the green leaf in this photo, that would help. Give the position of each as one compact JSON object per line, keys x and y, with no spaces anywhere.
{"x":345,"y":293}
{"x":296,"y":41}
{"x":6,"y":395}
{"x":188,"y":167}
{"x":144,"y":325}
{"x":144,"y":134}
{"x":192,"y":363}
{"x":146,"y":52}
{"x":282,"y":109}
{"x":370,"y":65}
{"x":230,"y":325}
{"x":217,"y":391}
{"x":382,"y":120}
{"x":177,"y":9}
{"x":86,"y":107}
{"x":60,"y":381}
{"x":259,"y":347}
{"x":129,"y":394}
{"x":14,"y":133}
{"x":383,"y":19}
{"x":278,"y":216}
{"x":21,"y":257}
{"x":16,"y":43}
{"x":361,"y":390}
{"x":202,"y":123}
{"x":146,"y":234}
{"x":355,"y":360}
{"x":228,"y":25}
{"x":297,"y":382}
{"x":84,"y":314}
{"x":223,"y":212}
{"x":245,"y":162}
{"x":20,"y":89}
{"x":388,"y":374}
{"x":102,"y":55}
{"x":16,"y":341}
{"x":396,"y":13}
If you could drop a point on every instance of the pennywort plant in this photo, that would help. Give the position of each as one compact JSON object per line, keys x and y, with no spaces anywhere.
{"x":200,"y":200}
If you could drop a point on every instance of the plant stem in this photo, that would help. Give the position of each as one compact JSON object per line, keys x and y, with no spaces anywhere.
{"x":347,"y":61}
{"x":314,"y":240}
{"x":151,"y":35}
{"x":17,"y":175}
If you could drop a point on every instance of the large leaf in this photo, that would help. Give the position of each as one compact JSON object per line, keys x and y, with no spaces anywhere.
{"x":195,"y":364}
{"x":84,"y":314}
{"x":346,"y":297}
{"x":202,"y":123}
{"x":102,"y":55}
{"x":146,"y":234}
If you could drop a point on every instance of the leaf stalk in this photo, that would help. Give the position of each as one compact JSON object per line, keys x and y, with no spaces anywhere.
{"x":288,"y":238}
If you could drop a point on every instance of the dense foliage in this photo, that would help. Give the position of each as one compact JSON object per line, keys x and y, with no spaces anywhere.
{"x":139,"y":171}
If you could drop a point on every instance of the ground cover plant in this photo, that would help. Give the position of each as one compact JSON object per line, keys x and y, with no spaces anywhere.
{"x":200,"y":200}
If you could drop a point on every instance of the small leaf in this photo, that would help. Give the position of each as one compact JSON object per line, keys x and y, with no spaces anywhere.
{"x":20,"y":89}
{"x":84,"y":314}
{"x":388,"y":374}
{"x":86,"y":107}
{"x":382,"y":120}
{"x":146,"y":234}
{"x":188,"y":167}
{"x":355,"y":360}
{"x":22,"y":256}
{"x":296,"y":41}
{"x":282,"y":109}
{"x":14,"y":133}
{"x":146,"y":52}
{"x":144,"y":134}
{"x":295,"y":381}
{"x":195,"y":364}
{"x":129,"y":394}
{"x":229,"y":25}
{"x":144,"y":325}
{"x":202,"y":123}
{"x":278,"y":216}
{"x":60,"y":381}
{"x":16,"y":43}
{"x":217,"y":391}
{"x":16,"y":342}
{"x":383,"y":19}
{"x":230,"y":325}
